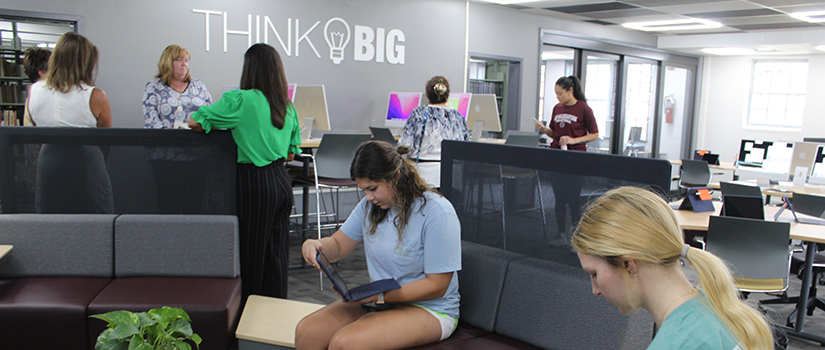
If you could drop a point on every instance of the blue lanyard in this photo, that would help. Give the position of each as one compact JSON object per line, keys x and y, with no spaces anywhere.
{"x":421,"y":140}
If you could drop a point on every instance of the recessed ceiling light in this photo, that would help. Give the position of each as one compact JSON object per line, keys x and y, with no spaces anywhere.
{"x":765,"y":49}
{"x":553,"y":56}
{"x":729,"y":51}
{"x":507,"y":2}
{"x":676,"y":24}
{"x":820,"y":47}
{"x":810,"y":16}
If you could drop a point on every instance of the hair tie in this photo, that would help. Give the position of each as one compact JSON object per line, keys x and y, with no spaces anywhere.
{"x":440,"y":88}
{"x":683,"y":256}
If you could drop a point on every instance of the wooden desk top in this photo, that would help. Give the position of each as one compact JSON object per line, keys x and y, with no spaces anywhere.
{"x":315,"y":142}
{"x":782,"y":189}
{"x":688,"y":220}
{"x":722,"y":165}
{"x":272,"y":320}
{"x":4,"y":249}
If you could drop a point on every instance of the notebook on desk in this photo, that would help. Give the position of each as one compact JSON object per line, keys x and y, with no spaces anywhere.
{"x":356,"y":293}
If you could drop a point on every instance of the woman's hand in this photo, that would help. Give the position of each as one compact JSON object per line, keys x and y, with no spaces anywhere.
{"x":567,"y":140}
{"x":194,"y":125}
{"x":541,"y":127}
{"x":309,"y":250}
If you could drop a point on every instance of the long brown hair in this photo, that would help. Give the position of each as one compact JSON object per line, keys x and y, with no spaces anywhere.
{"x":264,"y":71}
{"x":73,"y":63}
{"x":378,"y":161}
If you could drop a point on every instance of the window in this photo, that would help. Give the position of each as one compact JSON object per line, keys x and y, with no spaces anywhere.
{"x":778,"y":93}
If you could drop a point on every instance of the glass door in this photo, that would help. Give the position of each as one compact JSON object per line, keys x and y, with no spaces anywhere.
{"x":601,"y":75}
{"x":676,"y":106}
{"x":639,"y":110}
{"x":556,"y":62}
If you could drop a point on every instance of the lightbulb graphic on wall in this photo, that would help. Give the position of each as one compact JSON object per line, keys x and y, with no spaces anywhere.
{"x":336,"y":40}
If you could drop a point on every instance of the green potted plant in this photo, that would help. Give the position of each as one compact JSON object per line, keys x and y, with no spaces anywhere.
{"x":165,"y":328}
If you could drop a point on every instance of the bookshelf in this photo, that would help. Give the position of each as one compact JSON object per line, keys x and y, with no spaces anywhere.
{"x":495,"y":81}
{"x":13,"y":85}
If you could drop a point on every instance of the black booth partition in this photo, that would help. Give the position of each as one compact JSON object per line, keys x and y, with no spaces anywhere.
{"x":121,"y":171}
{"x":527,"y":199}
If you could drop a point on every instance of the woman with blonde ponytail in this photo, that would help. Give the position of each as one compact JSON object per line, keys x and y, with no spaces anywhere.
{"x":631,"y":245}
{"x":410,"y":233}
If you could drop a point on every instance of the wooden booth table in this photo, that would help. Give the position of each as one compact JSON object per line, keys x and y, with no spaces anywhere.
{"x":269,"y":323}
{"x":4,"y":249}
{"x":810,"y":234}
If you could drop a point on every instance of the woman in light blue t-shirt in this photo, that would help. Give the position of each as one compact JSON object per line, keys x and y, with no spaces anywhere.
{"x":631,"y":245}
{"x":411,"y":234}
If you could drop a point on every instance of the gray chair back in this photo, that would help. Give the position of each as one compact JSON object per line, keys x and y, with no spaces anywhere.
{"x":755,"y":249}
{"x":695,"y":173}
{"x":383,"y":134}
{"x":730,"y":188}
{"x":335,"y":153}
{"x":809,"y":204}
{"x":57,"y":245}
{"x":529,"y":140}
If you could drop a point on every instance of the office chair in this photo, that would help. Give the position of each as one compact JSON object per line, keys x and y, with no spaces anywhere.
{"x":695,"y":173}
{"x":756,"y":250}
{"x":731,"y":188}
{"x":527,"y":140}
{"x":383,"y":134}
{"x":331,"y":164}
{"x":635,"y":136}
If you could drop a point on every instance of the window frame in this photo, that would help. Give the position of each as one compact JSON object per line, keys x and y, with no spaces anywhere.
{"x":749,"y":123}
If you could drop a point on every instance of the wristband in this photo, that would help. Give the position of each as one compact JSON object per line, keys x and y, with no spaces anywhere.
{"x":380,"y":298}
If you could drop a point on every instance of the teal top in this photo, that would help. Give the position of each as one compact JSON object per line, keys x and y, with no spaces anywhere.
{"x":693,"y":325}
{"x":246,"y":114}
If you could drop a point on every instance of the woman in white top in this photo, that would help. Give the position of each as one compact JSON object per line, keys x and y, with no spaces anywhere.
{"x":68,"y":97}
{"x":71,"y":178}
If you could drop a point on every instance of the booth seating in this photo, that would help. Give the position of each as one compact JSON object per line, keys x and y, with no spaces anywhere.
{"x":64,"y":268}
{"x":511,"y":301}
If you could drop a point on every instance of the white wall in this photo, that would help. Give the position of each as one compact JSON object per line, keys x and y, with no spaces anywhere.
{"x":723,"y":106}
{"x":132,"y":34}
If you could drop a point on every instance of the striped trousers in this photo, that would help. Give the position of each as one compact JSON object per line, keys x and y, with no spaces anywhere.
{"x":264,"y":202}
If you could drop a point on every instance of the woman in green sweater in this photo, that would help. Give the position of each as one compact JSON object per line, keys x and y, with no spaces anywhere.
{"x":265,"y":128}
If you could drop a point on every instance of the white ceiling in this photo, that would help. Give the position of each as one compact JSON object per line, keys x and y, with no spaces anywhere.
{"x":764,"y":25}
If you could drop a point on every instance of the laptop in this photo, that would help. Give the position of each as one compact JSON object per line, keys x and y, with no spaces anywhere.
{"x":750,"y":207}
{"x":356,"y":293}
{"x":383,"y":134}
{"x":712,"y":159}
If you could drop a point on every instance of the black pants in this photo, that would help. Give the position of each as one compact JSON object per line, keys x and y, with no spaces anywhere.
{"x":264,"y":202}
{"x":72,"y":179}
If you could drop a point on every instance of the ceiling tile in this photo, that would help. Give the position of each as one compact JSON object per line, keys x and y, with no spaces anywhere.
{"x":782,"y":2}
{"x":733,"y":14}
{"x":620,"y":13}
{"x":604,"y":23}
{"x":605,"y":6}
{"x":710,"y":7}
{"x":765,"y":26}
{"x":656,"y":3}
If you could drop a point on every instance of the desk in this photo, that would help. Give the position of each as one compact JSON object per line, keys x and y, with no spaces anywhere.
{"x":787,"y":189}
{"x":4,"y":249}
{"x":810,"y":234}
{"x":721,"y":166}
{"x":271,"y":321}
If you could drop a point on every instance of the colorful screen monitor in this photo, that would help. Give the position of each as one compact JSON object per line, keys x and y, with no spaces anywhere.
{"x":400,"y":106}
{"x":291,"y":92}
{"x":459,"y":102}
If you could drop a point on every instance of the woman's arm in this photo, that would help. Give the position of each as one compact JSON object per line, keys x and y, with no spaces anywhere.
{"x":431,"y":287}
{"x":99,"y":104}
{"x":195,"y":125}
{"x":151,"y":114}
{"x":335,"y":247}
{"x":566,"y":140}
{"x":548,"y":131}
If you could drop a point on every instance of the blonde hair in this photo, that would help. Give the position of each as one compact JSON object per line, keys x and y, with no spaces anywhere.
{"x":73,"y":63}
{"x":630,"y":222}
{"x":169,"y":55}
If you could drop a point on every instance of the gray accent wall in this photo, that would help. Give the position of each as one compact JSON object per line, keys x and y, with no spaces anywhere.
{"x":132,"y":34}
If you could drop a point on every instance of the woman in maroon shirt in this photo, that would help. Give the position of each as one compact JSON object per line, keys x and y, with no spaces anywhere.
{"x":573,"y":123}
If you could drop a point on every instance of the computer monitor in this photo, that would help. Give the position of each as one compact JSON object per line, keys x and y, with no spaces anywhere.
{"x":291,"y":92}
{"x":459,"y":102}
{"x":753,"y":152}
{"x":484,"y":112}
{"x":818,"y":170}
{"x":399,"y":107}
{"x":311,"y":106}
{"x":803,"y":156}
{"x":383,"y":134}
{"x":814,"y":139}
{"x":778,"y":157}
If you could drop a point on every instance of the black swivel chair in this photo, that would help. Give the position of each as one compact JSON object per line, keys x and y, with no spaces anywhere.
{"x":731,"y":188}
{"x":695,"y":173}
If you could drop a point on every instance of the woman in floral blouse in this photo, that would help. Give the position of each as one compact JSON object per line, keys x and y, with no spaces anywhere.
{"x":173,"y":95}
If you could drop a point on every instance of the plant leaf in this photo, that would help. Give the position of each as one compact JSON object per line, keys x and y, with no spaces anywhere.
{"x":137,"y":343}
{"x":180,"y":327}
{"x":116,"y":318}
{"x":182,"y":345}
{"x":124,"y":331}
{"x":196,"y":338}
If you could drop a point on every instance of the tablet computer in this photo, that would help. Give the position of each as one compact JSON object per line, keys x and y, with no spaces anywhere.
{"x":356,"y":293}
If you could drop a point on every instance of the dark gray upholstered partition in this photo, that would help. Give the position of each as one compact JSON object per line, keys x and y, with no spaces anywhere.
{"x":480,"y":281}
{"x":149,"y":171}
{"x":176,"y":246}
{"x":527,"y":200}
{"x":558,"y":300}
{"x":57,"y":245}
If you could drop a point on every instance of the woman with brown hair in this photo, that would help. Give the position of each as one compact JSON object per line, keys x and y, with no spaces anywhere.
{"x":411,"y":234}
{"x":265,"y":128}
{"x":630,"y":243}
{"x":171,"y":98}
